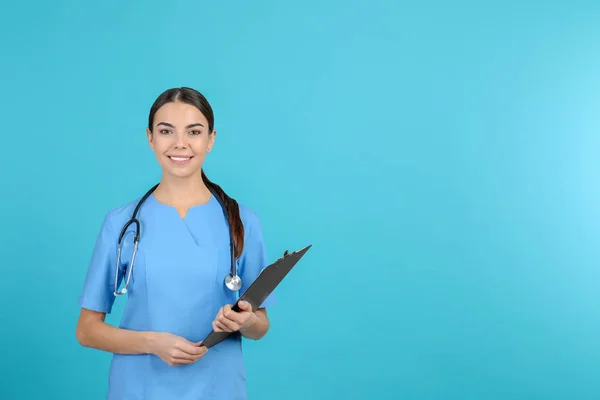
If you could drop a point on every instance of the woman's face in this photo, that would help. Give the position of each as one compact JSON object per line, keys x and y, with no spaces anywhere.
{"x":180,"y":139}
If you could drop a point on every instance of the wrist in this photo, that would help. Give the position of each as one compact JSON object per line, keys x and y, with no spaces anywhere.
{"x":252,"y":320}
{"x":149,"y":339}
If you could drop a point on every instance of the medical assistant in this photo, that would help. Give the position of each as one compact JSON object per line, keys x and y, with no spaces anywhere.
{"x":176,"y":286}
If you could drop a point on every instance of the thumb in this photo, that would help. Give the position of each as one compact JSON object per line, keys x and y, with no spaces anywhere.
{"x":245,"y":306}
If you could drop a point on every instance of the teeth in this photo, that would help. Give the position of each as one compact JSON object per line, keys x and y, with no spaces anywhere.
{"x":179,"y":158}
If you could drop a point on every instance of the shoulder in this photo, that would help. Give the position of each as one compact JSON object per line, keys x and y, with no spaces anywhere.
{"x":253,"y":233}
{"x":249,"y":217}
{"x":118,"y":216}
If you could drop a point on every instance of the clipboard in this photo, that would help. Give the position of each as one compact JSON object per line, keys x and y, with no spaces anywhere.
{"x":260,"y":289}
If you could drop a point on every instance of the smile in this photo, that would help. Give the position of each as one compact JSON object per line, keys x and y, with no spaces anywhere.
{"x":180,"y":160}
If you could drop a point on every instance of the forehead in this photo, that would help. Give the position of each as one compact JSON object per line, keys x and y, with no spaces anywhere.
{"x":179,"y":113}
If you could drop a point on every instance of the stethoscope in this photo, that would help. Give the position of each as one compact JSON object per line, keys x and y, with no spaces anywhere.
{"x":232,"y":280}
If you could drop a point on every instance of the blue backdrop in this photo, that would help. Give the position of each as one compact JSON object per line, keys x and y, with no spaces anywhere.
{"x":442,"y":159}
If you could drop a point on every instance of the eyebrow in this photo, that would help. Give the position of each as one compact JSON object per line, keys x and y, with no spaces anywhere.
{"x":187,"y":127}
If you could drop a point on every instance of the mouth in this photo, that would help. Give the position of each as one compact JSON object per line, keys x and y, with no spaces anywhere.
{"x":180,"y":160}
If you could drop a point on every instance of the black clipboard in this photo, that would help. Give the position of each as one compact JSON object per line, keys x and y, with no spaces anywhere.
{"x":260,"y":289}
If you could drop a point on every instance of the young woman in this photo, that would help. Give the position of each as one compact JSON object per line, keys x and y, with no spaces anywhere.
{"x":175,"y":278}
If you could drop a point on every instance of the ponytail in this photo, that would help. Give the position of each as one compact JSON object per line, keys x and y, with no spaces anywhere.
{"x":233,"y":212}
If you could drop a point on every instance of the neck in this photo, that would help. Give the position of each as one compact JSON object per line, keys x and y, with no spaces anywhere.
{"x":182,"y":191}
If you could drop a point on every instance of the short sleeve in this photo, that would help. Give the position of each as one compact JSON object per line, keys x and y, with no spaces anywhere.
{"x":254,"y":258}
{"x":98,"y":287}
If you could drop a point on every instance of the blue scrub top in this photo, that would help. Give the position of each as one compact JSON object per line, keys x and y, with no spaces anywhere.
{"x":177,"y":286}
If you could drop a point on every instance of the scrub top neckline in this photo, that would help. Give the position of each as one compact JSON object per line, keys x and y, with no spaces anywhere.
{"x":208,"y":203}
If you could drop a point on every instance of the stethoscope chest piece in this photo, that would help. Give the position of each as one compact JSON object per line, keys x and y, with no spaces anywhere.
{"x":233,"y":282}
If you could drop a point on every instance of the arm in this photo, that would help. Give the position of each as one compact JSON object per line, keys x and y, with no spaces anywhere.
{"x":259,"y":327}
{"x":96,"y":300}
{"x":93,"y":332}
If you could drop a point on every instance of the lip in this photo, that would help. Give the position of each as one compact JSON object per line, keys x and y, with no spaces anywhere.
{"x":179,"y":160}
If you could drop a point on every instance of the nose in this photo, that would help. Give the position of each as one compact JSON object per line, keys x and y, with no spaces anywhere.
{"x":181,"y":140}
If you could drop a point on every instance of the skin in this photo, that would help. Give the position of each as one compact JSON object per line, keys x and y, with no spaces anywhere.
{"x":179,"y":129}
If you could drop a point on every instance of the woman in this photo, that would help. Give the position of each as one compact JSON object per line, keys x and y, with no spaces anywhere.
{"x":176,"y":293}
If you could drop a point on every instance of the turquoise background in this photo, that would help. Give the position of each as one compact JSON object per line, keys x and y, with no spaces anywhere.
{"x":442,"y":158}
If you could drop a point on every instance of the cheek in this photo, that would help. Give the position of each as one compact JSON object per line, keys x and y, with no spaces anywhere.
{"x":161,"y":144}
{"x":199,"y":158}
{"x":200,"y":146}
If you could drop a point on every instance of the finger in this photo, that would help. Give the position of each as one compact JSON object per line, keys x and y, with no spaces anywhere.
{"x":198,"y":356}
{"x":237,"y":317}
{"x":179,"y":354}
{"x":232,"y":321}
{"x":221,"y":312}
{"x":189,"y":348}
{"x":180,"y":361}
{"x":179,"y":357}
{"x":225,"y":325}
{"x":202,"y":353}
{"x":220,"y":327}
{"x":198,"y":350}
{"x":186,"y":349}
{"x":217,"y":327}
{"x":226,"y":310}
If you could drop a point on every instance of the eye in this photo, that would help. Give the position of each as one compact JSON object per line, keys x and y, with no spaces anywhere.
{"x":165,"y":131}
{"x":195,"y":132}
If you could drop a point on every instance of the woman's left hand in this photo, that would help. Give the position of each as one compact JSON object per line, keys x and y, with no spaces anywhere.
{"x":228,"y":320}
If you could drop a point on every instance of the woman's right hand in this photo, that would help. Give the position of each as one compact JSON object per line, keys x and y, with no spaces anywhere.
{"x":175,"y":350}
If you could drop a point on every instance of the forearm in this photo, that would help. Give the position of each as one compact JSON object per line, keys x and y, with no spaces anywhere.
{"x":259,"y":328}
{"x":102,"y":336}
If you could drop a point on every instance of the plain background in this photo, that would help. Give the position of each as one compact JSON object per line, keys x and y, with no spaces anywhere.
{"x":442,"y":158}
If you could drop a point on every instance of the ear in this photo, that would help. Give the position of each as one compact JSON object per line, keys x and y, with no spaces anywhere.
{"x":211,"y":139}
{"x":150,"y":137}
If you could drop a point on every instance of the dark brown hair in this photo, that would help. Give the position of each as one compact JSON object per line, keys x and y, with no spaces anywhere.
{"x":196,"y":99}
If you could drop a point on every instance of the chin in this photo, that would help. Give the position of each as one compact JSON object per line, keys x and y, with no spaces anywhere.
{"x":183,"y":173}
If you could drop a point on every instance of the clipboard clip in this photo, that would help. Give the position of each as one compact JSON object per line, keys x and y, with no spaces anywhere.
{"x":285,"y":254}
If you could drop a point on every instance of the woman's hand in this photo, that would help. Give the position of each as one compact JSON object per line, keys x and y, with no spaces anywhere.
{"x":228,"y":320}
{"x":175,"y":350}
